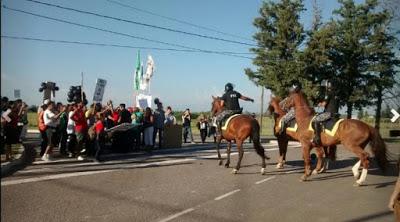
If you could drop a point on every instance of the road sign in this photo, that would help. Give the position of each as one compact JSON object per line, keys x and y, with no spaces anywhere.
{"x":396,"y":115}
{"x":99,"y":91}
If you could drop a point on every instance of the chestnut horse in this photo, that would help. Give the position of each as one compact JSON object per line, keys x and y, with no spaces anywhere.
{"x":283,"y":139}
{"x":238,"y":129}
{"x":353,"y":134}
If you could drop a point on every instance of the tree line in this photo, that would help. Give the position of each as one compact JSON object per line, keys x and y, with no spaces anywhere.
{"x":354,"y":50}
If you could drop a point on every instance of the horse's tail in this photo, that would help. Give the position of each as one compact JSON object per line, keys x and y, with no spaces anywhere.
{"x":378,"y":147}
{"x":255,"y":135}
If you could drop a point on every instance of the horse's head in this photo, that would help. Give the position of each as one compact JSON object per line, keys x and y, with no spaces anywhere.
{"x":273,"y":106}
{"x":216,"y":105}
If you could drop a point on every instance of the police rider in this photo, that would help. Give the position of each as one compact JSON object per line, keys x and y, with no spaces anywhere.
{"x":290,"y":114}
{"x":330,"y":104}
{"x":230,"y":102}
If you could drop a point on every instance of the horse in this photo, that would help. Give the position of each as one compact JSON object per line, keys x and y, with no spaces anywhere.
{"x":283,"y":139}
{"x":353,"y":134}
{"x":239,"y":128}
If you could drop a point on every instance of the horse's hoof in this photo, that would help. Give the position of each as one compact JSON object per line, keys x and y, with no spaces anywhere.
{"x":303,"y":178}
{"x":315,"y":172}
{"x":279,"y":166}
{"x":234,"y":171}
{"x":226,"y":165}
{"x":356,"y":184}
{"x":262,"y":171}
{"x":356,"y":176}
{"x":322,"y":170}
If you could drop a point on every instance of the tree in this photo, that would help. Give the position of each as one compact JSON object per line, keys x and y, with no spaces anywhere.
{"x":279,"y":37}
{"x":382,"y":60}
{"x":353,"y":28}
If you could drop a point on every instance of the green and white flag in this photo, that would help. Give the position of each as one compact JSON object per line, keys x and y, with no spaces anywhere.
{"x":138,"y":72}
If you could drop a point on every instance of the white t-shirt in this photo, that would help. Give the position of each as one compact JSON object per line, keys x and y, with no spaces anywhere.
{"x":70,"y":124}
{"x":47,"y":117}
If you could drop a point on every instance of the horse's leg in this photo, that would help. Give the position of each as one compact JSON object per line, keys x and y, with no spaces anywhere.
{"x":240,"y":151}
{"x":228,"y":154}
{"x":355,"y":168}
{"x":219,"y":138}
{"x":321,"y":162}
{"x":282,"y":145}
{"x":260,"y":151}
{"x":306,"y":157}
{"x":364,"y":157}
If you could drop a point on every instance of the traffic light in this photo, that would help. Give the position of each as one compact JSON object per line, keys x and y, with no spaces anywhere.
{"x":75,"y":95}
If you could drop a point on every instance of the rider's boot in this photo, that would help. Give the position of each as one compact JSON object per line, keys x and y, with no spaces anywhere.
{"x":282,"y":130}
{"x":317,"y":136}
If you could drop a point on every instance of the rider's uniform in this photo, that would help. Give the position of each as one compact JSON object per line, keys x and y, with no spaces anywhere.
{"x":331,"y":108}
{"x":231,"y":105}
{"x":290,"y":114}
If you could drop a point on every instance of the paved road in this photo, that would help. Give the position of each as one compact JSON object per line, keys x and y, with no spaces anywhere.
{"x":188,"y":185}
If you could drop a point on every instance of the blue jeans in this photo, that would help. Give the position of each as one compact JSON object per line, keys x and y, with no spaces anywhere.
{"x":187,"y":131}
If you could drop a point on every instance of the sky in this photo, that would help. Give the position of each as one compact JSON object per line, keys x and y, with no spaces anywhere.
{"x":181,"y":79}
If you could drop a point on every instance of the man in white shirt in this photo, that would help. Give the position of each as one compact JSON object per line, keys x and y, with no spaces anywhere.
{"x":51,"y":120}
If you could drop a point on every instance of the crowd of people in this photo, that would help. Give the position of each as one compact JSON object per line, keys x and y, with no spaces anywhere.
{"x":14,"y":124}
{"x":80,"y":131}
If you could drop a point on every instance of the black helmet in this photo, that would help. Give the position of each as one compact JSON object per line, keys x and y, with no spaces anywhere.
{"x":228,"y":87}
{"x":295,"y":87}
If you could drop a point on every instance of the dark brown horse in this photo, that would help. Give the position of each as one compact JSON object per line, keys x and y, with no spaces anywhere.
{"x":283,"y":139}
{"x":353,"y":134}
{"x":239,"y":129}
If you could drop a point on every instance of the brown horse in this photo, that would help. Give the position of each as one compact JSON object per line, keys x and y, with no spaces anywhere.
{"x":353,"y":134}
{"x":283,"y":139}
{"x":238,"y":129}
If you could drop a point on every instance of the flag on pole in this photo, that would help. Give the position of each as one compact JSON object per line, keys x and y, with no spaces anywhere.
{"x":138,"y":72}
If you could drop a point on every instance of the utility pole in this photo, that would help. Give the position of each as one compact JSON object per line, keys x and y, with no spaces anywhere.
{"x":262,"y":108}
{"x":82,"y":86}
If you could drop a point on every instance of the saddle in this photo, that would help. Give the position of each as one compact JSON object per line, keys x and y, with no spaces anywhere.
{"x":329,"y":126}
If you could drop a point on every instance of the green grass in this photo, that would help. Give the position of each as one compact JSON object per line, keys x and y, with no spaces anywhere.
{"x":267,"y":125}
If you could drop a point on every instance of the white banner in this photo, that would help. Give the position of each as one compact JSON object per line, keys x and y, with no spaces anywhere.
{"x":143,"y":101}
{"x":99,"y":91}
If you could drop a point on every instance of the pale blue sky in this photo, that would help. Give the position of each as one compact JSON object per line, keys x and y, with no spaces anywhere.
{"x":181,"y":79}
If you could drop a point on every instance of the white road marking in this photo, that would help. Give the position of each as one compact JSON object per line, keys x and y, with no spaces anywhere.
{"x":265,"y":180}
{"x":51,"y":177}
{"x":227,"y":194}
{"x":177,"y":215}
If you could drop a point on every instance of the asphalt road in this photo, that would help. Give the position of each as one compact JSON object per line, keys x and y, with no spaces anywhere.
{"x":188,"y":185}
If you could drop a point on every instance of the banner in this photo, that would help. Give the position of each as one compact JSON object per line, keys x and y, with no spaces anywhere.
{"x":143,"y":101}
{"x":17,"y":93}
{"x":149,"y":73}
{"x":138,"y":72}
{"x":99,"y":90}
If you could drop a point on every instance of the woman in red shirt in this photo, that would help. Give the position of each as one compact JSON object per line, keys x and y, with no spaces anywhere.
{"x":100,"y":135}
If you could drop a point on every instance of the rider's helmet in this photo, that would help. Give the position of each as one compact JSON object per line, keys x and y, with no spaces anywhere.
{"x":228,"y":87}
{"x":295,"y":87}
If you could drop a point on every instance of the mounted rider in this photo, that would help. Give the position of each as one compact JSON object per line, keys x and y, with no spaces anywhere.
{"x":330,"y":104}
{"x":230,"y":102}
{"x":290,"y":114}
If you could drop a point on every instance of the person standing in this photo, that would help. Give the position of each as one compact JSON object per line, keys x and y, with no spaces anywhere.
{"x":148,"y":125}
{"x":124,"y":115}
{"x":169,"y":117}
{"x":51,"y":120}
{"x":11,"y":128}
{"x":100,"y":135}
{"x":63,"y":129}
{"x":187,"y":130}
{"x":42,"y":127}
{"x":71,"y":139}
{"x":159,"y":118}
{"x":23,"y":113}
{"x":81,"y":129}
{"x":203,"y":128}
{"x":137,"y":121}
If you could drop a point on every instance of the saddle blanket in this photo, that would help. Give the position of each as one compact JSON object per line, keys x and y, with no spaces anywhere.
{"x":329,"y":126}
{"x":291,"y":126}
{"x":225,"y":125}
